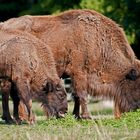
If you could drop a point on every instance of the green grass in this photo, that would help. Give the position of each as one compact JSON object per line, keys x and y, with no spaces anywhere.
{"x":102,"y":127}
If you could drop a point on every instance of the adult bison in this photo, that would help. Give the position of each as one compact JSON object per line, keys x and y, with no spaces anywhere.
{"x":93,"y":51}
{"x":28,"y":64}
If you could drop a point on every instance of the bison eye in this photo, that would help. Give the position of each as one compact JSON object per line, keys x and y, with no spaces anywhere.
{"x":132,"y":75}
{"x":59,"y":88}
{"x":49,"y":87}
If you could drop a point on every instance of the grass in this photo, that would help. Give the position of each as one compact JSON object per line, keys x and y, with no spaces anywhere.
{"x":102,"y":127}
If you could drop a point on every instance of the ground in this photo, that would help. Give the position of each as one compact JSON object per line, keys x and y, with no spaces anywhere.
{"x":102,"y":127}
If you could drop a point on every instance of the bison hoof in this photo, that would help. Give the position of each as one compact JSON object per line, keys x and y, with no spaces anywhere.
{"x":117,"y":116}
{"x":77,"y":116}
{"x":18,"y":121}
{"x":32,"y":120}
{"x":86,"y":116}
{"x":8,"y":120}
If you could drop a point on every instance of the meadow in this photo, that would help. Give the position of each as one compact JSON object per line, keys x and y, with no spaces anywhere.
{"x":103,"y":126}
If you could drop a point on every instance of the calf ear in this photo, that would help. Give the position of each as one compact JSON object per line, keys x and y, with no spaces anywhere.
{"x":49,"y":87}
{"x":132,"y":75}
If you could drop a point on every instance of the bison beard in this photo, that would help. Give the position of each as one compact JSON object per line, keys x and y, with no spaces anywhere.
{"x":93,"y":51}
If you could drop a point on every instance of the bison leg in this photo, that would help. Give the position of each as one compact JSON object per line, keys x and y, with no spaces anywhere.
{"x":80,"y":87}
{"x":31,"y":117}
{"x":117,"y":112}
{"x":76,"y":110}
{"x":5,"y":88}
{"x":25,"y":96}
{"x":5,"y":106}
{"x":16,"y":100}
{"x":83,"y":102}
{"x":22,"y":111}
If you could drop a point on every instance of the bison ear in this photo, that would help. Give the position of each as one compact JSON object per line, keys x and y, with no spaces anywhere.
{"x":132,"y":75}
{"x":49,"y":87}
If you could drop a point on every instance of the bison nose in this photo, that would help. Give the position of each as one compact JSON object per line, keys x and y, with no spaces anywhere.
{"x":65,"y":109}
{"x":61,"y":114}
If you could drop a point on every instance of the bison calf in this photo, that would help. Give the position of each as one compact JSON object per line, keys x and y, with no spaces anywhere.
{"x":29,"y":65}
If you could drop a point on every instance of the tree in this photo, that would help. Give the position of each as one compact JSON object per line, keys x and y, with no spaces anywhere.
{"x":11,"y":8}
{"x":124,"y":12}
{"x":51,"y":6}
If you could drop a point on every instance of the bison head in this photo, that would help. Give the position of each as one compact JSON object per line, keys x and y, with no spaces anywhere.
{"x":54,"y":100}
{"x":128,"y":95}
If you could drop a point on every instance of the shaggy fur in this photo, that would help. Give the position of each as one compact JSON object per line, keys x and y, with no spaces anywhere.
{"x":93,"y":51}
{"x":28,"y":63}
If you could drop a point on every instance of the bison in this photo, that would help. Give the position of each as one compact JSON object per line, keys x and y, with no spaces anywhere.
{"x":27,"y":63}
{"x":91,"y":49}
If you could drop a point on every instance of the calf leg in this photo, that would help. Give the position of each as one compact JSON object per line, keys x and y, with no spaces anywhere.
{"x":5,"y":106}
{"x":25,"y":96}
{"x":5,"y":88}
{"x":16,"y":100}
{"x":30,"y":113}
{"x":28,"y":104}
{"x":22,"y":111}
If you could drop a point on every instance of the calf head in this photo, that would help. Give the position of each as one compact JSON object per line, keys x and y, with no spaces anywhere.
{"x":54,"y":100}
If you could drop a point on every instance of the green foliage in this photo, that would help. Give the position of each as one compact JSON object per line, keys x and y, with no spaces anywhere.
{"x":11,"y":8}
{"x":131,"y":120}
{"x":128,"y":127}
{"x":68,"y":121}
{"x":71,"y":129}
{"x":126,"y":13}
{"x":93,"y":5}
{"x":51,"y":6}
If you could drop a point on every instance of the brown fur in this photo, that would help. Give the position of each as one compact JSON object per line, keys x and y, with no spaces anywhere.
{"x":92,"y":50}
{"x":28,"y":63}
